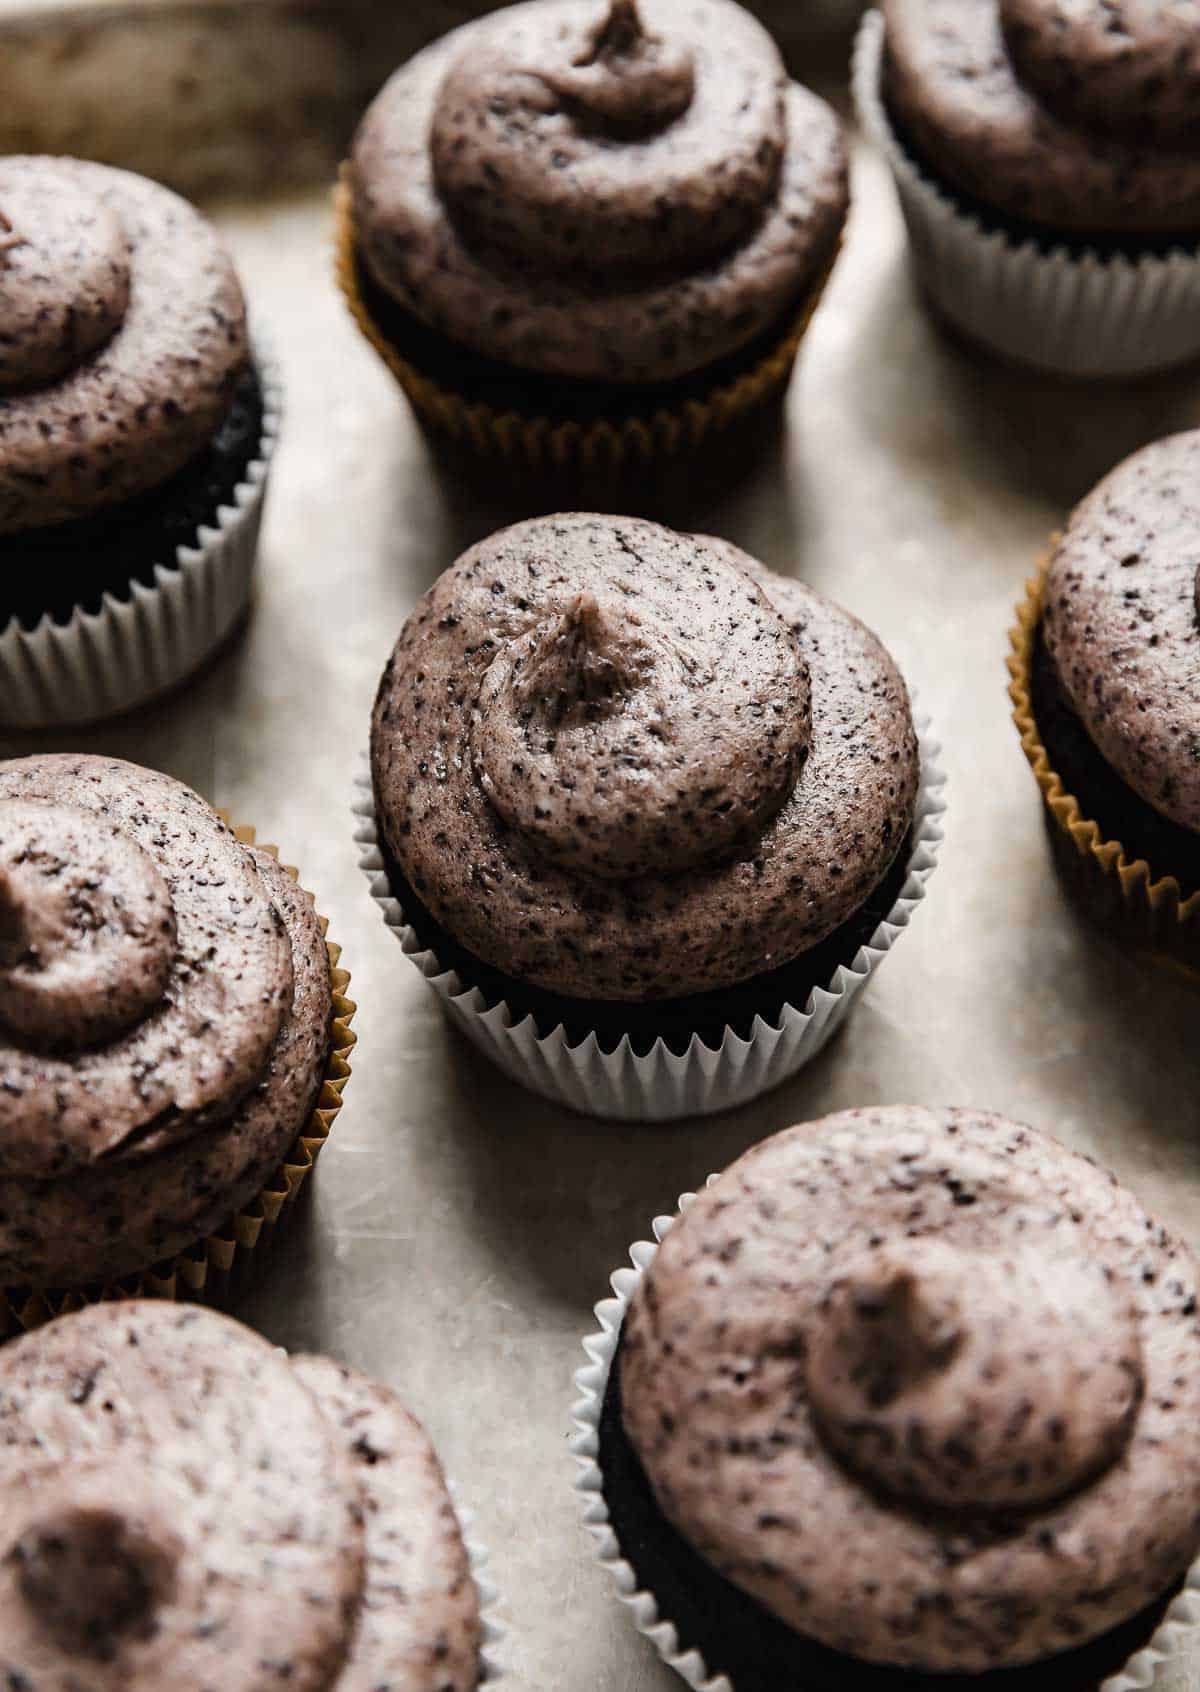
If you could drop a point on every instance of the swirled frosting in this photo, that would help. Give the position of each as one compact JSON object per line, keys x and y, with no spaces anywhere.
{"x":618,"y":190}
{"x":1121,"y":622}
{"x":182,"y":1506}
{"x":122,"y":335}
{"x":962,"y":1349}
{"x":611,"y":767}
{"x":1078,"y":115}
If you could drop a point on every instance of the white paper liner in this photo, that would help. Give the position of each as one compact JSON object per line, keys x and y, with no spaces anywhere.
{"x":491,"y":1669}
{"x":1078,"y":315}
{"x":1177,"y":1630}
{"x":103,"y":662}
{"x":662,"y":1086}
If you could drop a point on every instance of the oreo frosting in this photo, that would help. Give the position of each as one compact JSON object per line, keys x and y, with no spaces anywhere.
{"x":184,"y":1507}
{"x":1077,"y":116}
{"x":1121,"y":624}
{"x":165,"y":1009}
{"x":924,"y":1384}
{"x":611,"y":190}
{"x":122,"y":338}
{"x":612,"y":767}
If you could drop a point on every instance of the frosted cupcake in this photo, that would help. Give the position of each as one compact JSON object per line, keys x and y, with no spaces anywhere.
{"x":647,"y":814}
{"x":906,"y":1399}
{"x":1048,"y":165}
{"x":135,"y":429}
{"x":584,"y":230}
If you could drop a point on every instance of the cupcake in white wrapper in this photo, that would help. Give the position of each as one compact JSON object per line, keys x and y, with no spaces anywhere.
{"x":135,"y":457}
{"x":678,"y":1600}
{"x":823,"y":921}
{"x":1046,"y":297}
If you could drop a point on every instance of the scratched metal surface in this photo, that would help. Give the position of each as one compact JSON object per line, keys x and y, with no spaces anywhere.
{"x":460,"y":1229}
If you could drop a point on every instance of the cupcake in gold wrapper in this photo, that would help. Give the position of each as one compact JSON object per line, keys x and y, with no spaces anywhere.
{"x":174,"y":1039}
{"x":1105,"y":656}
{"x":589,"y":232}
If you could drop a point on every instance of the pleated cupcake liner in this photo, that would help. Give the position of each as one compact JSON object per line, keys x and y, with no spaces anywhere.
{"x":1176,"y":1633}
{"x":1123,"y":893}
{"x":1071,"y":312}
{"x":662,"y":1086}
{"x":634,"y":437}
{"x":211,"y":1269}
{"x":144,"y":642}
{"x":491,"y":1664}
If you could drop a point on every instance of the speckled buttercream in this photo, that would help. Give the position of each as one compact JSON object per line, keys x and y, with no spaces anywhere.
{"x":122,"y":338}
{"x":165,"y":1015}
{"x":599,"y":189}
{"x":1079,"y":116}
{"x":1121,"y":622}
{"x":185,"y":1507}
{"x":924,"y":1384}
{"x":612,"y":768}
{"x":420,"y":1629}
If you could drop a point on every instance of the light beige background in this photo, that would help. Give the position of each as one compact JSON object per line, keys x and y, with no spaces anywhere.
{"x":460,"y":1230}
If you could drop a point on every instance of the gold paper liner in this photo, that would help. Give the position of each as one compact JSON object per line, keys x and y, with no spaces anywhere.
{"x":591,"y":446}
{"x":203,"y":1272}
{"x":1149,"y":910}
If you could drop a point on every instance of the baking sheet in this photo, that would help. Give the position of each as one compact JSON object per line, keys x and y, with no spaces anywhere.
{"x":459,"y":1229}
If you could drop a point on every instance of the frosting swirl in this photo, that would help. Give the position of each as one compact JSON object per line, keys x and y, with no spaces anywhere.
{"x":1079,"y":117}
{"x":962,"y":1349}
{"x":612,"y":190}
{"x":591,"y":142}
{"x":122,"y":337}
{"x":613,"y":765}
{"x":144,"y":971}
{"x":1125,"y":67}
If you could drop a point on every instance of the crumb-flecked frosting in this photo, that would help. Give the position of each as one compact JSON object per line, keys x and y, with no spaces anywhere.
{"x":612,"y":767}
{"x":184,"y":1506}
{"x":923,"y":1382}
{"x":122,"y":337}
{"x":1121,"y":622}
{"x":600,"y":189}
{"x":419,"y":1628}
{"x":1082,"y":116}
{"x":115,"y":1218}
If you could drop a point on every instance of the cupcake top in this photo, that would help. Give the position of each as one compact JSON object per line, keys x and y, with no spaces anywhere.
{"x":611,"y":767}
{"x":183,"y":1506}
{"x":1079,"y":115}
{"x":614,"y":190}
{"x":1122,"y":622}
{"x":963,"y":1349}
{"x":122,"y":334}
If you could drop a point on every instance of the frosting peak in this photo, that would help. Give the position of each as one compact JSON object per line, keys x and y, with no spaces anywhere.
{"x":64,"y":279}
{"x":600,"y":138}
{"x":619,"y":745}
{"x":966,"y":1380}
{"x":87,"y":928}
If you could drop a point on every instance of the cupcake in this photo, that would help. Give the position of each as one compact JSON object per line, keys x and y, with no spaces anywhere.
{"x":1047,"y":157}
{"x":906,"y":1399}
{"x":184,"y":1506}
{"x":173,"y":1035}
{"x":591,"y":230}
{"x":1105,"y":658}
{"x":646,"y":815}
{"x":136,"y":426}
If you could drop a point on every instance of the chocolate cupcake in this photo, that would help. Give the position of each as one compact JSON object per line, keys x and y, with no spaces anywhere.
{"x":136,"y":427}
{"x":173,"y":1035}
{"x":906,"y":1399}
{"x":1104,"y":666}
{"x":646,"y":814}
{"x":1047,"y":156}
{"x":592,"y":230}
{"x":183,"y":1506}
